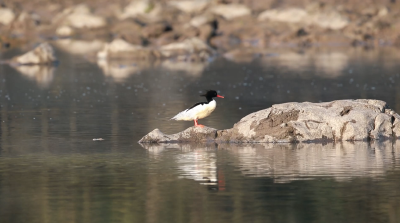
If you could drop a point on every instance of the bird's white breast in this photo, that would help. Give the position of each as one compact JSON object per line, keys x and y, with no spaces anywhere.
{"x":197,"y":112}
{"x":206,"y":109}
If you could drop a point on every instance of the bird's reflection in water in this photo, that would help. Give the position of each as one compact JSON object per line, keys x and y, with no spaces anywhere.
{"x":196,"y":162}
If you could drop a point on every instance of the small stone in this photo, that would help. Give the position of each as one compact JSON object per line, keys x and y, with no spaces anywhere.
{"x":42,"y":54}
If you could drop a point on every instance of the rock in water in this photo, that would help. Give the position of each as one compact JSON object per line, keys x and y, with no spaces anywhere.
{"x":192,"y":134}
{"x":42,"y":54}
{"x":342,"y":120}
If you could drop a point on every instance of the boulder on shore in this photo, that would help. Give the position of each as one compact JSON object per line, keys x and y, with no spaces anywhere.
{"x":42,"y":54}
{"x":231,"y":11}
{"x":80,"y":17}
{"x":189,"y":49}
{"x":328,"y":20}
{"x":341,"y":120}
{"x":120,"y":48}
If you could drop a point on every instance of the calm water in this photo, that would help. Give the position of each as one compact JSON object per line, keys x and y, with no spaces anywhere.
{"x":51,"y":170}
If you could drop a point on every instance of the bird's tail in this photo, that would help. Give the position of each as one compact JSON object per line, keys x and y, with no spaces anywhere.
{"x":177,"y":117}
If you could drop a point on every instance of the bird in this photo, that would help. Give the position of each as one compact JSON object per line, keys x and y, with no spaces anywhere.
{"x":199,"y":110}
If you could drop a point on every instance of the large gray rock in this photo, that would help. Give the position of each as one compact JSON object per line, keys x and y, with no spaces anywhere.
{"x":349,"y":120}
{"x":342,"y":120}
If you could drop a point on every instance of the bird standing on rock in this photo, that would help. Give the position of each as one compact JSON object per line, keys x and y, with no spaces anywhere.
{"x":199,"y":110}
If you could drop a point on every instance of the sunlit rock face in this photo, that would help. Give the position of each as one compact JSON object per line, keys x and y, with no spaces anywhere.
{"x":342,"y":120}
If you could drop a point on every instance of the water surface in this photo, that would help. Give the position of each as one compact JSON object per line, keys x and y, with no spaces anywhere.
{"x":51,"y":170}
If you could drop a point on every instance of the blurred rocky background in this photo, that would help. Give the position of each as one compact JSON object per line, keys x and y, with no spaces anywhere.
{"x":196,"y":30}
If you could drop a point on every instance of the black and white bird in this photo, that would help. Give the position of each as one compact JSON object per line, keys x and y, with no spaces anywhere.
{"x":199,"y":110}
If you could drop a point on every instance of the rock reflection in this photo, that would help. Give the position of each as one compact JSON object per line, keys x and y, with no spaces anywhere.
{"x":327,"y":64}
{"x":42,"y":74}
{"x":120,"y":70}
{"x":287,"y":162}
{"x":191,"y":69}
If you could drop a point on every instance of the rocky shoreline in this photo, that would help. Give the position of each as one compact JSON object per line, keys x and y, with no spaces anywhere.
{"x":342,"y":120}
{"x":200,"y":29}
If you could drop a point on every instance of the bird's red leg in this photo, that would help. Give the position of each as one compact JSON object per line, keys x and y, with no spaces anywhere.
{"x":197,"y":124}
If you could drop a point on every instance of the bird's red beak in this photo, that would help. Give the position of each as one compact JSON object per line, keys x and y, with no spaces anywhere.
{"x":220,"y":96}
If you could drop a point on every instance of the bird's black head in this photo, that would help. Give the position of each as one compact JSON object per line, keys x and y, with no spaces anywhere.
{"x":211,"y":94}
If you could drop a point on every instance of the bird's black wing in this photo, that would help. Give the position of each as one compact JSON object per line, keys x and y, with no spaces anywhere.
{"x":200,"y":103}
